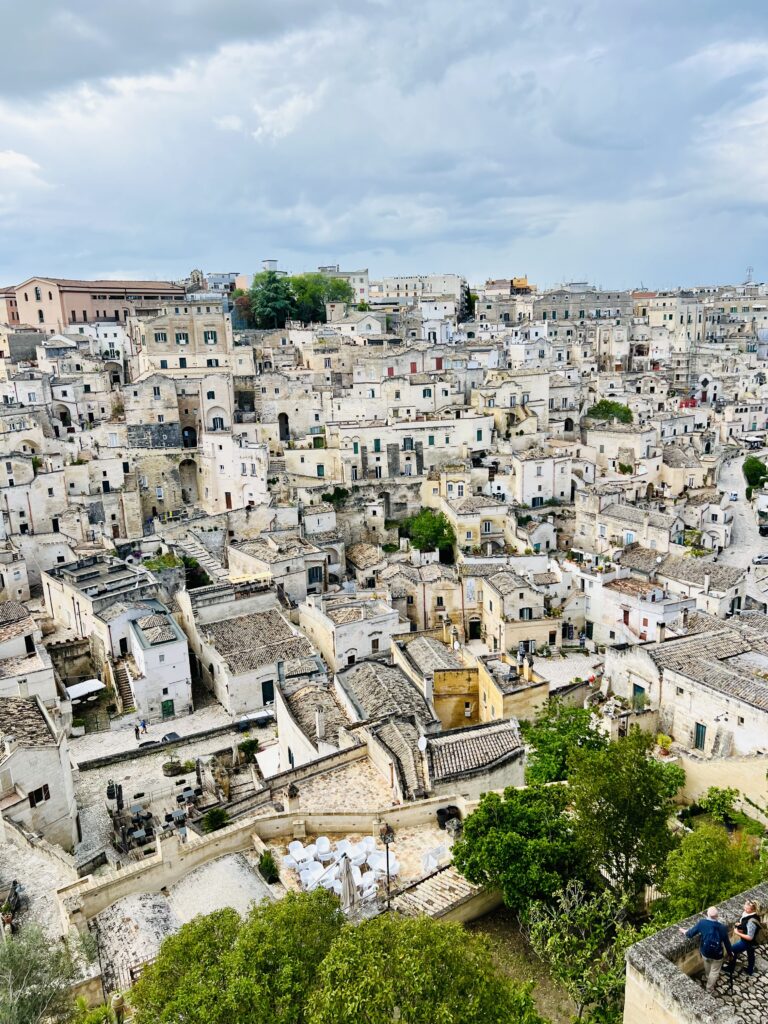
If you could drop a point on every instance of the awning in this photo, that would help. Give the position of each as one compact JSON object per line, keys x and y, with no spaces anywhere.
{"x":80,"y":690}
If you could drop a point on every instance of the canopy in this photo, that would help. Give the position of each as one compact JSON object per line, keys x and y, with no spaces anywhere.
{"x":87,"y":686}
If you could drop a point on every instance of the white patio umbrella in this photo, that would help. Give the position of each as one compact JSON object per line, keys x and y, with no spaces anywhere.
{"x":348,"y":887}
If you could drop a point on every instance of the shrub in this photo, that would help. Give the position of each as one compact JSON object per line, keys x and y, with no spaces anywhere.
{"x":720,"y":803}
{"x":268,"y":867}
{"x":664,"y":741}
{"x":755,"y":471}
{"x":249,"y":749}
{"x":625,"y":468}
{"x":214,"y":819}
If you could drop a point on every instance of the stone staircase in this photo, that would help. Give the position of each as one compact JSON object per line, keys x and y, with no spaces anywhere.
{"x":191,"y":546}
{"x":123,"y":684}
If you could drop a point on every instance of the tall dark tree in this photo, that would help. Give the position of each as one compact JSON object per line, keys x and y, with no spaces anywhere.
{"x":622,"y":800}
{"x":272,"y":301}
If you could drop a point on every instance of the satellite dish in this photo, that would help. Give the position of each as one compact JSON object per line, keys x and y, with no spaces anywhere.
{"x":422,"y":744}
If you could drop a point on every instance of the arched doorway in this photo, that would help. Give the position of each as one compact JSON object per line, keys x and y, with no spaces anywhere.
{"x":189,"y":437}
{"x":475,"y":627}
{"x":283,"y":426}
{"x":568,"y":425}
{"x":188,"y":481}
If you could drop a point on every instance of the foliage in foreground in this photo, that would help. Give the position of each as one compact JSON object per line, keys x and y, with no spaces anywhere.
{"x":298,"y":962}
{"x":35,"y":978}
{"x":582,"y":938}
{"x":420,"y":971}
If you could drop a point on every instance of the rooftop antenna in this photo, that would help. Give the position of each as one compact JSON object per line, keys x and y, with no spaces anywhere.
{"x":750,"y":272}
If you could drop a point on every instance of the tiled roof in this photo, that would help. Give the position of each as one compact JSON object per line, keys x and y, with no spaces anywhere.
{"x":248,"y":642}
{"x":505,"y":582}
{"x":364,"y":556}
{"x":401,"y":737}
{"x":429,"y":654}
{"x":636,"y":516}
{"x":22,"y":718}
{"x":382,"y":690}
{"x":478,"y":748}
{"x":693,"y":570}
{"x":306,"y":700}
{"x":12,"y":611}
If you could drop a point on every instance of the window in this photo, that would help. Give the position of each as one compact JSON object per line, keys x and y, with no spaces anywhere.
{"x":539,"y":470}
{"x":699,"y":736}
{"x":426,"y":393}
{"x":210,"y":394}
{"x":50,"y":492}
{"x":161,"y":337}
{"x":469,"y":535}
{"x":486,"y":526}
{"x":39,"y":796}
{"x":431,"y":439}
{"x":321,"y":470}
{"x":212,"y":362}
{"x":479,"y":435}
{"x":376,"y":444}
{"x":182,"y":338}
{"x":156,"y":392}
{"x":209,"y":337}
{"x":679,"y":691}
{"x":409,"y":599}
{"x":163,"y":364}
{"x":159,"y":493}
{"x":315,"y":574}
{"x":162,"y":657}
{"x":161,"y":419}
{"x":375,"y":644}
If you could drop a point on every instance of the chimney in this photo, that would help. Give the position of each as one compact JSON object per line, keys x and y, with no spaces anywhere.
{"x":707,"y":581}
{"x":527,"y":669}
{"x":320,"y":723}
{"x":661,"y":633}
{"x":429,"y":685}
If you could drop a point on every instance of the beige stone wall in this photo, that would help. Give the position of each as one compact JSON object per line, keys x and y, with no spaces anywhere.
{"x":452,"y":690}
{"x":747,"y":774}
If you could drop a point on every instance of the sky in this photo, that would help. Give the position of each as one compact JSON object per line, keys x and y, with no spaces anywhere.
{"x":622,"y":142}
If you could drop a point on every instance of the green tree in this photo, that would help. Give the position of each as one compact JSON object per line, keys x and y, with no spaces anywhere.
{"x":274,"y":963}
{"x":754,"y":470}
{"x":605,"y":409}
{"x":721,"y":803}
{"x":576,"y":938}
{"x":429,"y":531}
{"x":623,"y":800}
{"x":557,"y":731}
{"x":36,"y":975}
{"x":188,"y":980}
{"x":521,"y":843}
{"x":707,"y":867}
{"x":312,"y":291}
{"x":419,"y":971}
{"x":272,"y":301}
{"x":218,"y":969}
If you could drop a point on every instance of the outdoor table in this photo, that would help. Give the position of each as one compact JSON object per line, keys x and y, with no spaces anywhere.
{"x":139,"y":834}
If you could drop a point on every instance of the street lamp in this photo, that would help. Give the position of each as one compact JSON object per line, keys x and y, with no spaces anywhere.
{"x":386,"y":834}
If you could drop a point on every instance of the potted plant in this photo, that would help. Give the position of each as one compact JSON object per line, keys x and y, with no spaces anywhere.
{"x":664,"y":743}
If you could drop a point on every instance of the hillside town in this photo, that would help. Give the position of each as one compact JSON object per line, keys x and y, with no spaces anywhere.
{"x":286,"y":582}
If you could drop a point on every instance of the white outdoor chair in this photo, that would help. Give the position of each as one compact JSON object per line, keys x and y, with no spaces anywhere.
{"x":296,"y":849}
{"x":323,"y":850}
{"x":358,"y":855}
{"x":290,"y":863}
{"x":369,"y":844}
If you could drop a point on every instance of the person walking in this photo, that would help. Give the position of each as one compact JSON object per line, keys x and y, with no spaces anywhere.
{"x":713,"y":939}
{"x":746,"y":929}
{"x":144,"y":725}
{"x":136,"y":733}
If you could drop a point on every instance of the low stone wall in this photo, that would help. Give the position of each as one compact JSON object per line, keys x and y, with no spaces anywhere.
{"x":129,"y":755}
{"x":87,"y":897}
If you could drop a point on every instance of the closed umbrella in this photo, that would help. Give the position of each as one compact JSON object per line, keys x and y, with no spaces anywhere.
{"x":348,"y":887}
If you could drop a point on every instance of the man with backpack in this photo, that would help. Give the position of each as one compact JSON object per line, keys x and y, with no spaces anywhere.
{"x":747,"y":929}
{"x":714,"y":937}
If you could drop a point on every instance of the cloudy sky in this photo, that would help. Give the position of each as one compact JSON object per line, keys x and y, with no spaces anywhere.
{"x":623,"y":141}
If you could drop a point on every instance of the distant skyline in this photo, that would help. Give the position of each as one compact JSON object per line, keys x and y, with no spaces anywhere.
{"x":617,"y":143}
